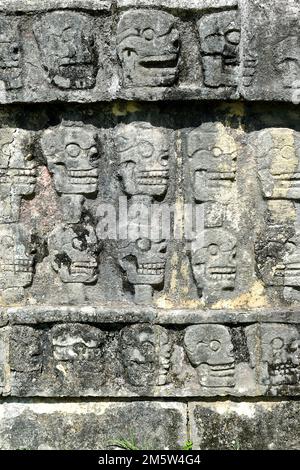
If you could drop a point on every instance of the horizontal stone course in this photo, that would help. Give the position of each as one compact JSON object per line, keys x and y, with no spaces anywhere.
{"x":184,"y":64}
{"x":91,"y":426}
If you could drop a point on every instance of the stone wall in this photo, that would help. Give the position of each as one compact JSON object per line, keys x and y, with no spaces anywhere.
{"x":149,"y":224}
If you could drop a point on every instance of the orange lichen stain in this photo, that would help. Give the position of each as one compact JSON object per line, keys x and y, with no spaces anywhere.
{"x":255,"y":298}
{"x":122,"y":109}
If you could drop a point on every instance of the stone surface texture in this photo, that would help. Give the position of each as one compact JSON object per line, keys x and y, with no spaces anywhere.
{"x":149,"y":224}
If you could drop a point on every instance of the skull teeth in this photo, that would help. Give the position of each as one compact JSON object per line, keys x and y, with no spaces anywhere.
{"x":152,"y":269}
{"x":88,"y":174}
{"x":153,"y":178}
{"x":20,"y":266}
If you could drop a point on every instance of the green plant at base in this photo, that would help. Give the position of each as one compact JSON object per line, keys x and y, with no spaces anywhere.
{"x":188,"y":445}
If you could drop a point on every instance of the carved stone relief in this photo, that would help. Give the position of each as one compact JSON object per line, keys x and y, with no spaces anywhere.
{"x":66,"y":42}
{"x":220,"y":36}
{"x":275,"y":354}
{"x":17,"y":172}
{"x":146,"y":354}
{"x":148,"y":46}
{"x":72,"y":153}
{"x":10,"y":54}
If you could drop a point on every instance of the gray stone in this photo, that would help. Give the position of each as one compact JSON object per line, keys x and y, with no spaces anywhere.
{"x":271,"y":57}
{"x":92,"y":426}
{"x":245,"y":426}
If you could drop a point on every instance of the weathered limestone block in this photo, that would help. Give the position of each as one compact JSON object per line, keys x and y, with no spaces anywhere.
{"x":206,"y":359}
{"x":168,"y":49}
{"x":272,"y":50}
{"x":92,"y":426}
{"x":245,"y":426}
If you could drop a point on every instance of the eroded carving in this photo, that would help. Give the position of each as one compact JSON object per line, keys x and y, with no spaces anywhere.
{"x":275,"y":353}
{"x":66,"y":42}
{"x":144,"y":153}
{"x":213,"y":258}
{"x":16,"y":258}
{"x":72,"y":154}
{"x":144,"y":262}
{"x":10,"y":53}
{"x":26,"y":351}
{"x":148,"y":48}
{"x":146,"y":353}
{"x":278,"y":157}
{"x":210,"y":351}
{"x":73,"y":253}
{"x":17,"y":172}
{"x":78,"y":351}
{"x":213,"y":153}
{"x":288,"y":60}
{"x":220,"y":35}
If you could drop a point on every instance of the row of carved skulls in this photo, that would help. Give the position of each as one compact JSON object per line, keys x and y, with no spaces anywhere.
{"x":72,"y":153}
{"x":146,"y":352}
{"x":148,"y":47}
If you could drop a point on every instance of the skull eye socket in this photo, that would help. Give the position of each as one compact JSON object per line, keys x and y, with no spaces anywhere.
{"x":146,"y":149}
{"x":217,"y":152}
{"x":215,"y":345}
{"x":143,"y":244}
{"x":93,"y":153}
{"x":73,"y":150}
{"x":213,"y":250}
{"x":6,"y":150}
{"x":14,"y":48}
{"x":148,"y":34}
{"x":290,"y":248}
{"x":233,"y":37}
{"x":7,"y":242}
{"x":78,"y":244}
{"x":277,"y":343}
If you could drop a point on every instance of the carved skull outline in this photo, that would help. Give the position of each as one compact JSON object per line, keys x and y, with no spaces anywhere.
{"x":220,"y":35}
{"x":10,"y":53}
{"x":145,"y":354}
{"x":287,"y":60}
{"x":148,"y":46}
{"x":210,"y":350}
{"x":66,"y":42}
{"x":144,"y":261}
{"x":72,"y":154}
{"x":16,"y":257}
{"x":278,"y":163}
{"x":213,"y":155}
{"x":144,"y":153}
{"x":278,"y":362}
{"x":73,"y":253}
{"x":77,"y":343}
{"x":213,"y":259}
{"x":17,"y":167}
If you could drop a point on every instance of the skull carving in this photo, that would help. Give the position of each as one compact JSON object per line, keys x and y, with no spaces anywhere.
{"x":67,"y":48}
{"x":213,"y":260}
{"x":17,"y":172}
{"x":77,"y":343}
{"x":143,"y":159}
{"x":275,"y":352}
{"x":220,"y":35}
{"x":278,"y":160}
{"x":213,"y":154}
{"x":148,"y":48}
{"x":72,"y":155}
{"x":288,"y":60}
{"x":291,"y":263}
{"x":210,"y":350}
{"x":73,"y":251}
{"x":16,"y":257}
{"x":10,"y":54}
{"x":144,"y":261}
{"x":145,"y":352}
